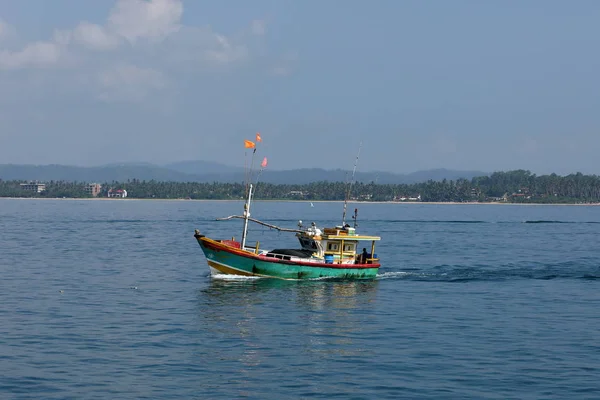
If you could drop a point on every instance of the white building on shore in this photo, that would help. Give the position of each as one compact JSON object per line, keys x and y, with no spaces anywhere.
{"x":120,"y":193}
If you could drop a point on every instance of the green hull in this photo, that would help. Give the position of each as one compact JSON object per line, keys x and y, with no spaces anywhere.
{"x":225,"y":259}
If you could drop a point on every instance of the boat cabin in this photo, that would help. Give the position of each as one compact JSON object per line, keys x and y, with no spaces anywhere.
{"x":337,"y":245}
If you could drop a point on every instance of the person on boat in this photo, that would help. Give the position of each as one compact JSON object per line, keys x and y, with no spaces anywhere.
{"x":313,"y":230}
{"x":364,"y":256}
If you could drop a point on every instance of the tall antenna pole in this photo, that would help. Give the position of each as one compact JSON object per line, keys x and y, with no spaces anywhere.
{"x":246,"y":216}
{"x":350,"y":185}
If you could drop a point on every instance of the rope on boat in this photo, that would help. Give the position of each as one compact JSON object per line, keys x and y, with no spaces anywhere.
{"x":261,"y":223}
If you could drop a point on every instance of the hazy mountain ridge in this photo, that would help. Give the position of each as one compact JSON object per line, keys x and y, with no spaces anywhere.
{"x":199,"y":167}
{"x":205,"y":171}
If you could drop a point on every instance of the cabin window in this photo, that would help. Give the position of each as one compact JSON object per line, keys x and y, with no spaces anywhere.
{"x":332,"y":246}
{"x":308,"y":243}
{"x":349,"y":247}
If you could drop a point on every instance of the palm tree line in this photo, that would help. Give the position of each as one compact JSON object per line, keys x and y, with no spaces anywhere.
{"x":511,"y":186}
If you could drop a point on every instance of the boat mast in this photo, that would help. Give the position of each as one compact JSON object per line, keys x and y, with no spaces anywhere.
{"x":246,"y":216}
{"x":350,"y":186}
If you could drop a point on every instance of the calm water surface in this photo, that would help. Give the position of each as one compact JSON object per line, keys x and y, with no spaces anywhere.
{"x":112,"y":299}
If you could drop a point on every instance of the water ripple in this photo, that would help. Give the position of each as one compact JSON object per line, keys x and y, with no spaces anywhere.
{"x":113,"y":300}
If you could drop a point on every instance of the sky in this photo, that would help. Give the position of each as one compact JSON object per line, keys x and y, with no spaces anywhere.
{"x":468,"y":85}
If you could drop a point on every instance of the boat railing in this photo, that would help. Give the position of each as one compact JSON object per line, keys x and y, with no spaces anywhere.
{"x":278,"y":256}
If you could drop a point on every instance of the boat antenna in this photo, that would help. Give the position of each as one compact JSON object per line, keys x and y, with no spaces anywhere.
{"x":249,"y":187}
{"x":245,"y":172}
{"x":246,"y":216}
{"x":251,"y":170}
{"x":263,"y":165}
{"x":350,"y":186}
{"x":254,"y":146}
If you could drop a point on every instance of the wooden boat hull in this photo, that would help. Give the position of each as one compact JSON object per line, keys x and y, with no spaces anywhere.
{"x":225,"y":259}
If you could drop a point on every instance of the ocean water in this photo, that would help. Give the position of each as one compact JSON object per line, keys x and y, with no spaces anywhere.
{"x":112,"y":300}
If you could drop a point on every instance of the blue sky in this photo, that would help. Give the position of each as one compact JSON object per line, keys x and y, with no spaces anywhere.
{"x":423,"y":84}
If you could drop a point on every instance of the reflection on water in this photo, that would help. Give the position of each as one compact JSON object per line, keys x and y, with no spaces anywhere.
{"x":331,"y":323}
{"x":254,"y":323}
{"x":312,"y":294}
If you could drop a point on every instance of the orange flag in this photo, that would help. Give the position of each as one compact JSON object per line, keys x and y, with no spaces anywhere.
{"x":264,"y":162}
{"x":248,"y":144}
{"x":258,"y":138}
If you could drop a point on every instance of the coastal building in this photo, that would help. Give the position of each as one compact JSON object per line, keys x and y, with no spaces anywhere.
{"x":122,"y":193}
{"x":33,"y":187}
{"x":93,"y":189}
{"x":407,"y":198}
{"x":296,"y":193}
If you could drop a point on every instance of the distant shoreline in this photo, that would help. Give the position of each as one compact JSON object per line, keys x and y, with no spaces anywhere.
{"x":495,"y":203}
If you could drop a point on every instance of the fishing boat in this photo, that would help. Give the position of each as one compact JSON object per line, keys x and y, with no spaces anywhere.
{"x":327,"y":253}
{"x":331,"y":252}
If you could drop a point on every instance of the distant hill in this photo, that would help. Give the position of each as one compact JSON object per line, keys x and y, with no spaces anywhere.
{"x":440,"y":174}
{"x":89,"y":174}
{"x":198,"y":167}
{"x":201,"y":171}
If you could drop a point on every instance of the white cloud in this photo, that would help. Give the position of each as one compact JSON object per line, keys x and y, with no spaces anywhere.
{"x":4,"y":29}
{"x":130,"y":21}
{"x":136,"y":49}
{"x":258,"y":27}
{"x":284,"y":66}
{"x":7,"y":32}
{"x":127,"y":82}
{"x":61,"y":38}
{"x":37,"y":54}
{"x":223,"y":51}
{"x":141,"y":19}
{"x":95,"y":37}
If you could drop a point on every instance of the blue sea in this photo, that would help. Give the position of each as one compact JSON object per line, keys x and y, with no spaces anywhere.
{"x":113,"y":300}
